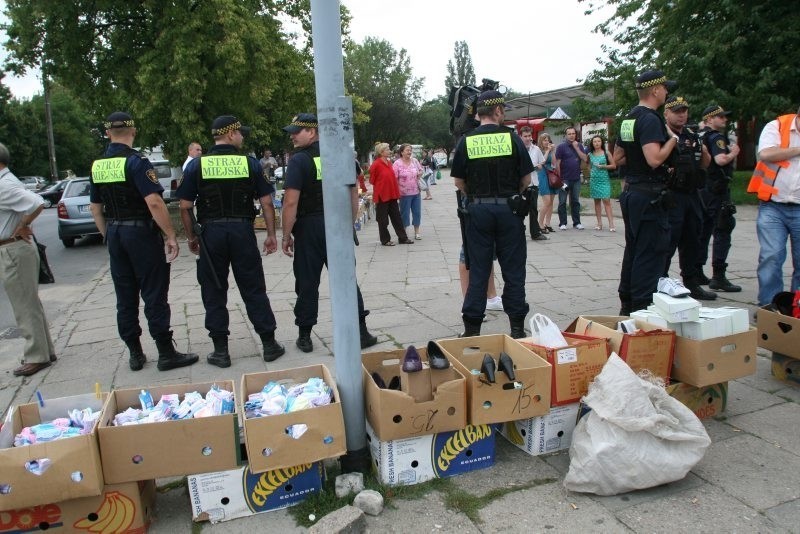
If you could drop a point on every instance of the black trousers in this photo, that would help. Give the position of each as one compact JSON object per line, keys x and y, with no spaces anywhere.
{"x":685,"y":223}
{"x":533,"y":213}
{"x":385,"y":212}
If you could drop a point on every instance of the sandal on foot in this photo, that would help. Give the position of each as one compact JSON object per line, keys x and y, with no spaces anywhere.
{"x":388,"y":244}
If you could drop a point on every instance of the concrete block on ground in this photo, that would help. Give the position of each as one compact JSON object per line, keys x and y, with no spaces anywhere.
{"x":349,"y":483}
{"x":346,"y":520}
{"x":370,"y":501}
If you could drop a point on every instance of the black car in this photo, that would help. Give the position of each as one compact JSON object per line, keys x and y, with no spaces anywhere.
{"x":52,"y":193}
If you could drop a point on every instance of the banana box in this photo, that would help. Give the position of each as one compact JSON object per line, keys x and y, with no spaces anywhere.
{"x":705,"y":402}
{"x":785,"y":368}
{"x":239,"y":492}
{"x":546,"y":433}
{"x":52,"y":471}
{"x":119,"y":508}
{"x":407,"y":461}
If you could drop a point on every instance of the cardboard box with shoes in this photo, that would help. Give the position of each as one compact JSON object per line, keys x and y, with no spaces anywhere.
{"x":716,"y":360}
{"x":778,"y":332}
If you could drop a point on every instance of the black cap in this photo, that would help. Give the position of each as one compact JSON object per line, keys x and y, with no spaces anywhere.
{"x":300,"y":121}
{"x":491,"y":98}
{"x":713,"y":111}
{"x":651,"y":78}
{"x":227,"y":123}
{"x":676,"y":103}
{"x":119,"y":119}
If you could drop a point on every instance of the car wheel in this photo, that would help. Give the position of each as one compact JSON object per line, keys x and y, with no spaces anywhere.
{"x":48,"y":203}
{"x":69,"y":242}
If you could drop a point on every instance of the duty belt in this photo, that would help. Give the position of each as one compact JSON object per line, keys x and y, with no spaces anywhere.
{"x":648,"y":187}
{"x":488,"y":200}
{"x":10,"y":240}
{"x":228,"y":220}
{"x":142,"y":223}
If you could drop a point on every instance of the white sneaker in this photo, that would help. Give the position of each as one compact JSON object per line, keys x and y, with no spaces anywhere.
{"x":579,"y":226}
{"x":562,"y":227}
{"x":672,"y":287}
{"x":494,"y":304}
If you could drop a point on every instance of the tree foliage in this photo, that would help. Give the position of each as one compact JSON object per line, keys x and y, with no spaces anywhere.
{"x":459,"y":69}
{"x":739,"y":55}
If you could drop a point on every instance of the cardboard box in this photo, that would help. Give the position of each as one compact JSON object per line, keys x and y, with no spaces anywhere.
{"x":674,"y":309}
{"x":778,"y":333}
{"x":119,"y":508}
{"x":408,"y":461}
{"x":574,"y":366}
{"x":525,"y":397}
{"x":705,"y":402}
{"x":238,"y":492}
{"x":656,"y":319}
{"x":651,"y":348}
{"x":74,"y":470}
{"x":397,"y":414}
{"x":546,"y":433}
{"x":169,"y":448}
{"x":712,"y":361}
{"x":785,"y":368}
{"x":270,"y":447}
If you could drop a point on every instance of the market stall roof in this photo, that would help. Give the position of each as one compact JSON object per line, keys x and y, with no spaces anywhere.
{"x":544,"y":104}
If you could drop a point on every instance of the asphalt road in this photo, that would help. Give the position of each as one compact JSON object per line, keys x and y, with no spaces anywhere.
{"x":72,"y":267}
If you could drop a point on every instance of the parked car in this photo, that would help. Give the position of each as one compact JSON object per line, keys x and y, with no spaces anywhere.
{"x":74,"y":216}
{"x":441,"y":158}
{"x":52,"y":193}
{"x":168,"y":176}
{"x":33,"y":183}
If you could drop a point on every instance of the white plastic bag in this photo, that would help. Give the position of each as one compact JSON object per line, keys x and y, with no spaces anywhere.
{"x":635,"y":437}
{"x":545,"y":332}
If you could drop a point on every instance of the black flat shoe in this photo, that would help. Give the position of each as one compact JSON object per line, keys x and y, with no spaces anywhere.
{"x":436,"y":357}
{"x":394,"y":383}
{"x":488,"y":367}
{"x":506,"y":365}
{"x":378,"y":380}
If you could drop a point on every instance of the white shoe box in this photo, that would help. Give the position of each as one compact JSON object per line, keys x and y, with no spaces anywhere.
{"x":717,"y":322}
{"x":655,"y":318}
{"x":676,"y":310}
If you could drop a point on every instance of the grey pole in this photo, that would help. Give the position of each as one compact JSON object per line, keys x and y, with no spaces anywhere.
{"x":335,"y":115}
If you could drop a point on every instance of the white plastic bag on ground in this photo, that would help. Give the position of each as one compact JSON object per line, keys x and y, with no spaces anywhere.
{"x":545,"y":332}
{"x":635,"y":437}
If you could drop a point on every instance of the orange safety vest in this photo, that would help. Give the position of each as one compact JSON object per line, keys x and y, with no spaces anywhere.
{"x":763,"y":180}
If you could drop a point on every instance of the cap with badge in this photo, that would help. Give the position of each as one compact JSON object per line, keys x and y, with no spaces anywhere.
{"x":651,"y":78}
{"x":119,"y":119}
{"x":676,"y":103}
{"x":713,"y":111}
{"x":490,"y":99}
{"x":300,"y":121}
{"x":225,"y":124}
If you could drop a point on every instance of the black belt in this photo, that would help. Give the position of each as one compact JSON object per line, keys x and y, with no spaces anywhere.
{"x":142,"y":223}
{"x":10,"y":240}
{"x":229,"y":220}
{"x":488,"y":200}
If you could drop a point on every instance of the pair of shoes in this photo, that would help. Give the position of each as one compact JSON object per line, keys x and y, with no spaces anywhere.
{"x":578,"y":226}
{"x":598,"y":227}
{"x":672,"y":287}
{"x":28,"y":369}
{"x":544,"y":230}
{"x":697,"y":292}
{"x":504,"y":363}
{"x":436,"y":358}
{"x":562,"y":227}
{"x":412,"y":362}
{"x":549,"y":229}
{"x":407,"y":241}
{"x":540,"y":237}
{"x":494,"y":304}
{"x":394,"y":383}
{"x":428,"y":198}
{"x":388,"y":244}
{"x":418,"y":237}
{"x":612,"y":229}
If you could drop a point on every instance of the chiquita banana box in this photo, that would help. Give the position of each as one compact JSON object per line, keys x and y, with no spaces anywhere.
{"x":236,"y":493}
{"x":413,"y":460}
{"x":121,"y":508}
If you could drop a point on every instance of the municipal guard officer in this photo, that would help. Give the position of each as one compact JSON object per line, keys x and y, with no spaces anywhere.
{"x":491,"y":166}
{"x":687,"y":173}
{"x":126,"y":203}
{"x":303,"y":225}
{"x":717,"y":196}
{"x":225,"y":185}
{"x":644,"y":147}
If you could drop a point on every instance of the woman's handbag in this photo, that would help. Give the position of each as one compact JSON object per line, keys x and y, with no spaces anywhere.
{"x":45,"y":273}
{"x":422,"y":183}
{"x":554,"y":179}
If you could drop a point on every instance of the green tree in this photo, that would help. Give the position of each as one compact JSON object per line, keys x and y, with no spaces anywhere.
{"x":459,"y":69}
{"x":5,"y":98}
{"x":382,"y":76}
{"x":433,"y":124}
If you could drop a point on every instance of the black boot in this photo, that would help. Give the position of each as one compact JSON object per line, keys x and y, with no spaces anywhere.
{"x":471,"y":328}
{"x":304,"y":339}
{"x":137,"y":358}
{"x":168,"y":357}
{"x":720,"y":283}
{"x":220,"y":357}
{"x":367,"y":339}
{"x":517,"y":327}
{"x":697,"y":291}
{"x":272,"y":349}
{"x":702,"y":279}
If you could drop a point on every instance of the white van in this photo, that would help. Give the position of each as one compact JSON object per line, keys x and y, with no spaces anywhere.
{"x":168,"y":176}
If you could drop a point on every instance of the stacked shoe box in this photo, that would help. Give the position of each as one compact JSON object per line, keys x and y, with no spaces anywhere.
{"x":675,"y":309}
{"x":780,"y":333}
{"x":417,"y":419}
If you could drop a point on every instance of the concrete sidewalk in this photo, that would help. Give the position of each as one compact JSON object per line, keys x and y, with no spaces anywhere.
{"x":747,"y":481}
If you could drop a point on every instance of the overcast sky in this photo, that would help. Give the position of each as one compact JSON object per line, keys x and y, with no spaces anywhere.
{"x":527,"y":45}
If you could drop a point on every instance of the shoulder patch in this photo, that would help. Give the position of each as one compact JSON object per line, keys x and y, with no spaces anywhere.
{"x":151,"y":175}
{"x":721,"y":143}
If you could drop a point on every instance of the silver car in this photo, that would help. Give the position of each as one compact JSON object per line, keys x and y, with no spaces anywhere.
{"x":74,"y":216}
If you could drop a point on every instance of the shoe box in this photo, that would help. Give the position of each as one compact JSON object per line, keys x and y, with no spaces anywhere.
{"x":655,"y":319}
{"x":716,"y":360}
{"x":785,"y":368}
{"x":73,"y":469}
{"x":407,"y":461}
{"x":168,"y":448}
{"x":574,"y":366}
{"x":543,"y":434}
{"x":716,"y":322}
{"x":235,"y":493}
{"x":429,"y":401}
{"x":705,"y":402}
{"x":269,"y":444}
{"x":675,"y":309}
{"x":778,"y":332}
{"x":528,"y":395}
{"x":650,"y":347}
{"x":119,"y":508}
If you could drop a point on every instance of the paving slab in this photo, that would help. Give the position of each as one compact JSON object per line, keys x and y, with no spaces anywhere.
{"x":786,"y":515}
{"x":743,"y":398}
{"x":426,"y":514}
{"x":777,"y":425}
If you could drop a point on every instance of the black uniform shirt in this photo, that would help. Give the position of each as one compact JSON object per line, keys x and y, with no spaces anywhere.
{"x":188,"y":188}
{"x":137,"y":168}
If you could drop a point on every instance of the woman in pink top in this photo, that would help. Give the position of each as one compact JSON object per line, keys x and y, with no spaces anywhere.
{"x":408,"y":171}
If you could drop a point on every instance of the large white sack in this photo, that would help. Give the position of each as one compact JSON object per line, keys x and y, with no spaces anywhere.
{"x":635,"y":437}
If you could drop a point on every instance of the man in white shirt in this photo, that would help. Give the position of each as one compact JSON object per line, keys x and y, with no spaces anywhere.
{"x":537,"y":158}
{"x":194,"y":151}
{"x":19,"y":268}
{"x":776,"y":180}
